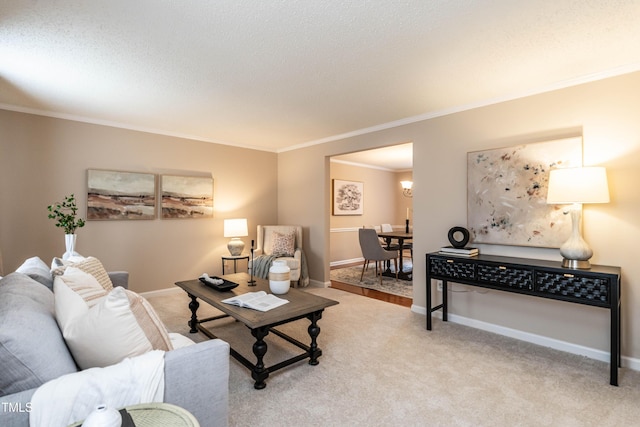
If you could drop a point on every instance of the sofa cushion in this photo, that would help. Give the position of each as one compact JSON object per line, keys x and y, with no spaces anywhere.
{"x":32,"y":349}
{"x":122,"y":324}
{"x":89,"y":265}
{"x":35,"y":268}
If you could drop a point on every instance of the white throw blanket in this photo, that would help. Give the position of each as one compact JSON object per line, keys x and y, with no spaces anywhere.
{"x":72,"y":397}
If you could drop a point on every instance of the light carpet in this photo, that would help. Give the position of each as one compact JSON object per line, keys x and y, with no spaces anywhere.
{"x":381,"y":367}
{"x":390,"y":285}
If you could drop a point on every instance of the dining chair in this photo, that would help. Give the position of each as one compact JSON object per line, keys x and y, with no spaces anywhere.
{"x":387,"y":244}
{"x":372,"y":250}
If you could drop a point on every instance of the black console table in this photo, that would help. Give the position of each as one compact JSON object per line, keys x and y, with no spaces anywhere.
{"x":598,"y":286}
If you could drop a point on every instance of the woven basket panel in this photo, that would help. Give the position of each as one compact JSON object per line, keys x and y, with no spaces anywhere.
{"x":453,"y":270}
{"x":573,"y":286}
{"x":510,"y":277}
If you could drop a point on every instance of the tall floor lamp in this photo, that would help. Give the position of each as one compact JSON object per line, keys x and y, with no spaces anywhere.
{"x":577,"y":186}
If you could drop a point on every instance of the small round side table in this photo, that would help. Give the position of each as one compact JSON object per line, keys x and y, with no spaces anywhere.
{"x":159,"y":415}
{"x":235,"y":259}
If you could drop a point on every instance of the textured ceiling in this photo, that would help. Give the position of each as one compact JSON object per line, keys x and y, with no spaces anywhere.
{"x":274,"y":74}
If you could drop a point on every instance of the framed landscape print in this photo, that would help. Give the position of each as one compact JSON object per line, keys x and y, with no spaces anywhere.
{"x":507,"y":193}
{"x":120,"y":195}
{"x":348,"y":197}
{"x":186,"y":197}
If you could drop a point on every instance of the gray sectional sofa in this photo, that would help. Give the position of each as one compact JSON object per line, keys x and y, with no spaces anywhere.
{"x":33,"y":351}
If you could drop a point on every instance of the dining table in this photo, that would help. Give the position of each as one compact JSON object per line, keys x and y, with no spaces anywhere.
{"x":401,"y":237}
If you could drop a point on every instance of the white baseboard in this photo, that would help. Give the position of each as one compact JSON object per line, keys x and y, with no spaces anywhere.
{"x":592,"y":353}
{"x":319,"y":284}
{"x":346,"y":261}
{"x":420,"y":310}
{"x":160,"y":292}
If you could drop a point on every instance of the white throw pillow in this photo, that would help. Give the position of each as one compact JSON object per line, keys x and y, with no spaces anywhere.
{"x":89,"y":265}
{"x":123,"y":324}
{"x":35,"y":268}
{"x":179,"y":340}
{"x":34,"y":265}
{"x":82,"y":283}
{"x":59,"y":262}
{"x":74,"y":293}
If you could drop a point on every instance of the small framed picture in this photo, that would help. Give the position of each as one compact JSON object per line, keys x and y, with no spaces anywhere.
{"x":348,"y":197}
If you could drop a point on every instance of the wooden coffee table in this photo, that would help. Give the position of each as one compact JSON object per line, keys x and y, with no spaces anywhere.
{"x":301,"y":305}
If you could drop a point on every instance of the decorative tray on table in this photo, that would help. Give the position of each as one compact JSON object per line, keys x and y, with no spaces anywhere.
{"x":217,"y":283}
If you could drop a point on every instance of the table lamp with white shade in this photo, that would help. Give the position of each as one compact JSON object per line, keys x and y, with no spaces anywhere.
{"x":235,"y":228}
{"x":577,"y":186}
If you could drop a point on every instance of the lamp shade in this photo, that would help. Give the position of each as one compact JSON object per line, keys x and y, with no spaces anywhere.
{"x":235,"y":227}
{"x":406,"y":185}
{"x":578,"y":185}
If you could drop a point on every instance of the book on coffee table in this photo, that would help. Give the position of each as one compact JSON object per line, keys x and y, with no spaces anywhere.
{"x":260,"y":301}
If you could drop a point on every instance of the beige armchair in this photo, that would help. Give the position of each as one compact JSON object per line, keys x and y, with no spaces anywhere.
{"x":270,"y":236}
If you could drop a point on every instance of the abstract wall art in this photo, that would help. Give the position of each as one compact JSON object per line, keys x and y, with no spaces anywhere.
{"x":507,"y":191}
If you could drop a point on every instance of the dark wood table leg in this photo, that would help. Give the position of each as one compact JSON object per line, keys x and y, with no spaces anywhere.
{"x":429,"y":303}
{"x":445,"y":302}
{"x":403,"y":275}
{"x":193,"y":306}
{"x":401,"y":266}
{"x":388,"y":262}
{"x":615,"y":358}
{"x":259,"y":373}
{"x":314,"y":331}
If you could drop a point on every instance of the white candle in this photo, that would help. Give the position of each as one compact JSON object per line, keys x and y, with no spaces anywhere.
{"x":407,"y":213}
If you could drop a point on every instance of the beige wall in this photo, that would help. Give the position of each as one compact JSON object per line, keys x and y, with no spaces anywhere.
{"x":604,"y":112}
{"x":43,"y":159}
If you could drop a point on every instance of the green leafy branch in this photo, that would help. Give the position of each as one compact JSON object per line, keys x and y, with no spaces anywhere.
{"x":65,"y":214}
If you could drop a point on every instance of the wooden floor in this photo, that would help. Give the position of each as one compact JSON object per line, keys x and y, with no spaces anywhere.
{"x":371,"y":293}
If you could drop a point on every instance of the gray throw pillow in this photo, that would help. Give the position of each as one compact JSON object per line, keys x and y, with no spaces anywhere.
{"x":39,"y":271}
{"x":32,"y":349}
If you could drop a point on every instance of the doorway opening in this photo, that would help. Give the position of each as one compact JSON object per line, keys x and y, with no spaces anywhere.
{"x":377,"y":174}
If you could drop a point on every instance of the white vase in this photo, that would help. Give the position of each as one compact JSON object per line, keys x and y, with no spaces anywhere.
{"x":279,"y":277}
{"x":70,"y":246}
